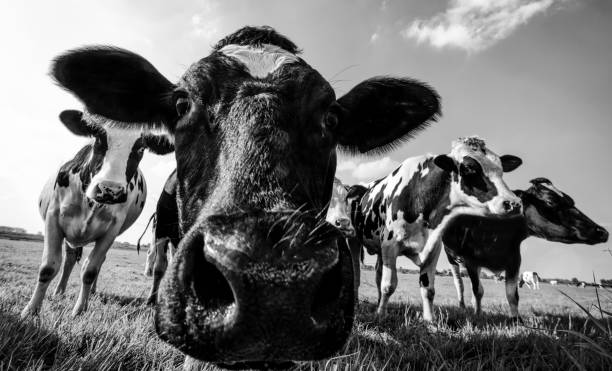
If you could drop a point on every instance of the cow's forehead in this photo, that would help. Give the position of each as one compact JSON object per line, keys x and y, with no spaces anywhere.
{"x":475,"y":148}
{"x":260,"y":60}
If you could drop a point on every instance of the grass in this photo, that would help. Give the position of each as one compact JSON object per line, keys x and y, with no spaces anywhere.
{"x":117,"y":332}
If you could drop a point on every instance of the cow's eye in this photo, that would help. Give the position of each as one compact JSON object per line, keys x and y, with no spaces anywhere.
{"x":182,"y":106}
{"x":331,"y":120}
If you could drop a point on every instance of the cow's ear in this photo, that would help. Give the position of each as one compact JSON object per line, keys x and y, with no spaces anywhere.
{"x":116,"y":84}
{"x":446,"y":163}
{"x":382,"y":112}
{"x":158,"y":144}
{"x":73,"y":121}
{"x":510,"y":163}
{"x":356,"y":191}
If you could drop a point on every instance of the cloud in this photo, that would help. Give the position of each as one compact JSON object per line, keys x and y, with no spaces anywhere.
{"x":474,"y":25}
{"x":206,"y":22}
{"x":374,"y":169}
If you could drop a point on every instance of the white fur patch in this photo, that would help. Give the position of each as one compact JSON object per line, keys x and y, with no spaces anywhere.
{"x":260,"y":61}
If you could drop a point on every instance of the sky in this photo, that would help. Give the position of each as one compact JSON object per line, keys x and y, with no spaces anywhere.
{"x":531,"y":77}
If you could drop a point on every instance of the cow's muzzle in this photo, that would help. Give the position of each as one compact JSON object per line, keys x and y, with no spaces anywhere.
{"x":258,"y":287}
{"x":109,"y":193}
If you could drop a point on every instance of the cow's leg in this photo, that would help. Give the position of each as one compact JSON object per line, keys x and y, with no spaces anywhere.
{"x":536,"y":280}
{"x":378,"y":275}
{"x":94,"y":285}
{"x":355,"y":248}
{"x":456,"y":271}
{"x":389,"y":276}
{"x":50,"y":264}
{"x":159,"y":267}
{"x":91,"y":268}
{"x":70,"y":259}
{"x":512,"y":295}
{"x":427,"y":277}
{"x":477,"y":289}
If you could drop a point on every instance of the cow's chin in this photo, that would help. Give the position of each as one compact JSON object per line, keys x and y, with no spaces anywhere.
{"x":308,"y":327}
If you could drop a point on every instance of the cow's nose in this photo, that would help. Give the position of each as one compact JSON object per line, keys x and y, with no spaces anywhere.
{"x":343,"y":222}
{"x":601,"y":234}
{"x":512,"y":207}
{"x":258,"y":288}
{"x":110,"y":192}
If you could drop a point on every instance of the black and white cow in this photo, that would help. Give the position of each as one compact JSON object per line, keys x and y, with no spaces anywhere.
{"x":495,"y":243}
{"x":531,"y":279}
{"x":406,"y":212}
{"x":258,"y":277}
{"x":92,"y":198}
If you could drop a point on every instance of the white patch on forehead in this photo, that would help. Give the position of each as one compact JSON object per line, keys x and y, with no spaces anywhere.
{"x":120,"y":142}
{"x":260,"y":60}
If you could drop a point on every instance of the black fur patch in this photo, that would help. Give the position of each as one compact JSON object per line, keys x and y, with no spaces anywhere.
{"x":424,"y":280}
{"x":474,"y":182}
{"x":257,"y":36}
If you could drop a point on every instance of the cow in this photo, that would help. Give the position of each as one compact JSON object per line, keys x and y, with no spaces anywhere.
{"x":531,"y":279}
{"x":554,"y":282}
{"x":495,"y":243}
{"x":259,"y":278}
{"x":406,"y":212}
{"x":92,"y":198}
{"x":165,"y":236}
{"x":339,"y":215}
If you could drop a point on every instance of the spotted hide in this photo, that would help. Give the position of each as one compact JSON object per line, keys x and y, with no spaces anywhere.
{"x":92,"y":198}
{"x":406,"y":212}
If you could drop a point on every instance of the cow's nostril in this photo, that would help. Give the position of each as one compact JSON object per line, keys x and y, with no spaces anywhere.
{"x":338,"y":222}
{"x":327,"y":294}
{"x":212,"y":288}
{"x":507,"y":205}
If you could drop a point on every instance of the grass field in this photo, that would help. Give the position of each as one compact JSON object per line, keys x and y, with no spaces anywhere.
{"x":117,"y":331}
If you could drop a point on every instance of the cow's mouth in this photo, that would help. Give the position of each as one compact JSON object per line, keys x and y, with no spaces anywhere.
{"x":235,"y":297}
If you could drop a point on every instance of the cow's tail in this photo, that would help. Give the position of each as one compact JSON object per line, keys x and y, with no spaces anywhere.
{"x":143,"y":233}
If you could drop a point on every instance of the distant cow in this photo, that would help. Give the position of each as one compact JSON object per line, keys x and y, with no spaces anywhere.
{"x":92,"y":198}
{"x":338,"y":214}
{"x":582,"y":284}
{"x":531,"y":279}
{"x":554,"y":282}
{"x":259,"y":277}
{"x":406,"y":212}
{"x":495,"y":243}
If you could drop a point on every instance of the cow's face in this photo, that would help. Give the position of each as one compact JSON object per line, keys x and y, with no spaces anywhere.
{"x":551,"y":214}
{"x":258,"y":276}
{"x":338,"y":212}
{"x":477,"y":177}
{"x":114,"y":156}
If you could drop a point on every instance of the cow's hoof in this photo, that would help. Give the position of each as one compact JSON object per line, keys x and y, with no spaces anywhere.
{"x":152,"y":300}
{"x":29,"y":312}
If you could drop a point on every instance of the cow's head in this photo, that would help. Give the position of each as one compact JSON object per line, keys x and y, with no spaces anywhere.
{"x":551,"y":214}
{"x":114,"y":156}
{"x":476,"y":174}
{"x":338,"y":213}
{"x":258,"y":276}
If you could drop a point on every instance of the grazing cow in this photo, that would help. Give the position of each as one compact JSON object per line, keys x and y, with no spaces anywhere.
{"x":92,"y":198}
{"x":582,"y":284}
{"x":406,"y":212}
{"x":554,"y":282}
{"x":495,"y":243}
{"x":339,"y":215}
{"x":259,"y":278}
{"x":531,"y":279}
{"x":166,"y":236}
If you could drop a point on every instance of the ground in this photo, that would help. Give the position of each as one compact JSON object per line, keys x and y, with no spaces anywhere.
{"x":117,"y":330}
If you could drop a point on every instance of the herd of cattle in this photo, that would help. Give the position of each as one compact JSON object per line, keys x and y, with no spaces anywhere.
{"x":258,"y":274}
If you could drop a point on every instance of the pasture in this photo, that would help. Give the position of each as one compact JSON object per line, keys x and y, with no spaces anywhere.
{"x":117,"y":332}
